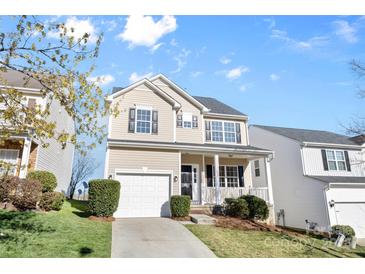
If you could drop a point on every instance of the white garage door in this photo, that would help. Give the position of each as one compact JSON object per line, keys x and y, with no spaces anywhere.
{"x":352,"y":214}
{"x":349,"y":208}
{"x":143,"y":195}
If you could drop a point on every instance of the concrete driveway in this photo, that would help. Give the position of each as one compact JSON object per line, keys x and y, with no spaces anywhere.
{"x":155,"y":238}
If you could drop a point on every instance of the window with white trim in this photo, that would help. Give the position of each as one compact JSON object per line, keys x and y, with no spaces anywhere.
{"x":223,"y":132}
{"x":187,"y":120}
{"x":257,"y":168}
{"x":9,"y":156}
{"x":336,"y":160}
{"x":143,"y":120}
{"x":228,"y":176}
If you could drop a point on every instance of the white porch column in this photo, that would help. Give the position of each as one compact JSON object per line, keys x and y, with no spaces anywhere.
{"x":269,"y":182}
{"x":25,"y":157}
{"x":216,"y":181}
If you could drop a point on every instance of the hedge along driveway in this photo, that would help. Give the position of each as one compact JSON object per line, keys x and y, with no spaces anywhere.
{"x":66,"y":233}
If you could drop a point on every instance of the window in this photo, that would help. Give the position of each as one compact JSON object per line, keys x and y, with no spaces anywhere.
{"x":257,"y":168}
{"x":228,"y":176}
{"x":143,"y":124}
{"x":223,"y":132}
{"x":336,"y":160}
{"x":187,"y":120}
{"x":9,"y":156}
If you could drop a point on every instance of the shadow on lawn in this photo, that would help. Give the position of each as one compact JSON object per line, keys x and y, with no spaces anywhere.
{"x":82,"y":209}
{"x":84,"y":251}
{"x":15,"y":223}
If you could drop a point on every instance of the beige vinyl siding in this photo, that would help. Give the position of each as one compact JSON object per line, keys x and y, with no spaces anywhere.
{"x":142,"y":96}
{"x":197,"y":159}
{"x":185,"y":135}
{"x":54,"y":158}
{"x":148,"y":159}
{"x":313,"y":163}
{"x":243,"y":126}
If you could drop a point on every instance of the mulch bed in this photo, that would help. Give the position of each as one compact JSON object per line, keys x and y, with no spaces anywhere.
{"x":101,"y":219}
{"x":187,"y":218}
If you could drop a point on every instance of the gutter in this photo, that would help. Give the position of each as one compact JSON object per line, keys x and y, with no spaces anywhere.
{"x":312,"y":144}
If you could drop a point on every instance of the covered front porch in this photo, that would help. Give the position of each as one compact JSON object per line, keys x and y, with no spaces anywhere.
{"x":208,"y":178}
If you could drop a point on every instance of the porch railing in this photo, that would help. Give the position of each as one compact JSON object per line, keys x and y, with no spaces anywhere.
{"x":208,"y":193}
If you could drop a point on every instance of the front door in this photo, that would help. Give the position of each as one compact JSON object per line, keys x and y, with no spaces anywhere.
{"x":190,"y":181}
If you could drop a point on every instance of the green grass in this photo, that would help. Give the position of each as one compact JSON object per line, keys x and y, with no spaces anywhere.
{"x":235,"y":243}
{"x":66,"y":233}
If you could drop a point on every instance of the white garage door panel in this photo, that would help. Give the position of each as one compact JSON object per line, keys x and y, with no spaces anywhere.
{"x":352,"y":214}
{"x":143,"y":195}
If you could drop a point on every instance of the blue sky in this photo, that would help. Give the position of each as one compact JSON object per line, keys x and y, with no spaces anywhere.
{"x":280,"y":70}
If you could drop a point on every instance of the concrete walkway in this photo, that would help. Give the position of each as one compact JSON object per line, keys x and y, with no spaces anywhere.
{"x":155,"y":238}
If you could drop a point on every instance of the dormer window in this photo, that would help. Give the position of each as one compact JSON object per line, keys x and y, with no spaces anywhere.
{"x":336,"y":159}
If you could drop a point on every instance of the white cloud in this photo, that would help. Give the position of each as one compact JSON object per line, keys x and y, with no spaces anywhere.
{"x":181,"y":60}
{"x":313,"y":42}
{"x":80,"y":27}
{"x":271,"y":22}
{"x":274,"y":77}
{"x":195,"y":74}
{"x":102,"y":80}
{"x":110,"y":24}
{"x":134,"y":77}
{"x":144,"y":31}
{"x":236,"y":72}
{"x":224,"y":60}
{"x":243,"y":88}
{"x":345,"y":31}
{"x":155,"y":47}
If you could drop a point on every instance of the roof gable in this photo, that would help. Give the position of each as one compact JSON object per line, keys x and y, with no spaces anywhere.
{"x":310,"y":136}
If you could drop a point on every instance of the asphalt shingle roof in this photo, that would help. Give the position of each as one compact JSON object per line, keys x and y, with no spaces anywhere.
{"x":308,"y":135}
{"x":339,"y":179}
{"x":17,"y":79}
{"x":216,"y":106}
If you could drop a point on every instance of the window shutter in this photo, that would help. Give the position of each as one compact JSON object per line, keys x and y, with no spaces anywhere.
{"x":209,"y":175}
{"x":154,"y":122}
{"x":347,"y":160}
{"x":132,"y":119}
{"x":208,"y":136}
{"x":240,"y":176}
{"x":324,"y":159}
{"x":31,"y":103}
{"x":238,"y":133}
{"x":179,"y":120}
{"x":195,"y":121}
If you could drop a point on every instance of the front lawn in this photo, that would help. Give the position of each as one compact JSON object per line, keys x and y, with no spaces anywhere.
{"x":236,"y":243}
{"x":67,"y":233}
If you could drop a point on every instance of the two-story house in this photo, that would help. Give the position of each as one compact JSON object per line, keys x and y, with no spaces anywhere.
{"x":23,"y":150}
{"x":166,"y":142}
{"x":318,"y":177}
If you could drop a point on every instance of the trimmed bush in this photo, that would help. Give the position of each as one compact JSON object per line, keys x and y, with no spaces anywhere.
{"x":180,"y":205}
{"x":257,"y":207}
{"x":8,"y":187}
{"x":346,"y":230}
{"x":103,"y":197}
{"x":52,"y":201}
{"x":28,"y":194}
{"x":47,"y":179}
{"x":236,"y":208}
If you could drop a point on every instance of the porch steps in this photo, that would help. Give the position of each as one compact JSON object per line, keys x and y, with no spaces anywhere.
{"x":202,"y":219}
{"x":201,"y":209}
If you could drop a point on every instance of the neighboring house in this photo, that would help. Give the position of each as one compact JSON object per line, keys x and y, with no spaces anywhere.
{"x":24,"y":150}
{"x":166,"y":142}
{"x":318,"y":177}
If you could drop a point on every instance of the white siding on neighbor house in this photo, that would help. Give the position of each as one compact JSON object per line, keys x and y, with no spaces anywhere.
{"x":313,"y":163}
{"x":301,"y":198}
{"x":54,"y":158}
{"x":184,"y":135}
{"x":142,"y":96}
{"x":144,"y":160}
{"x":259,"y":181}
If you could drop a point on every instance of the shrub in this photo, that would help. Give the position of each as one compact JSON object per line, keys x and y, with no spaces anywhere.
{"x":346,"y":230}
{"x":8,"y":186}
{"x":180,"y":205}
{"x":52,"y":201}
{"x":28,"y":194}
{"x":103,"y":197}
{"x":236,"y":208}
{"x":257,"y":207}
{"x":47,"y":179}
